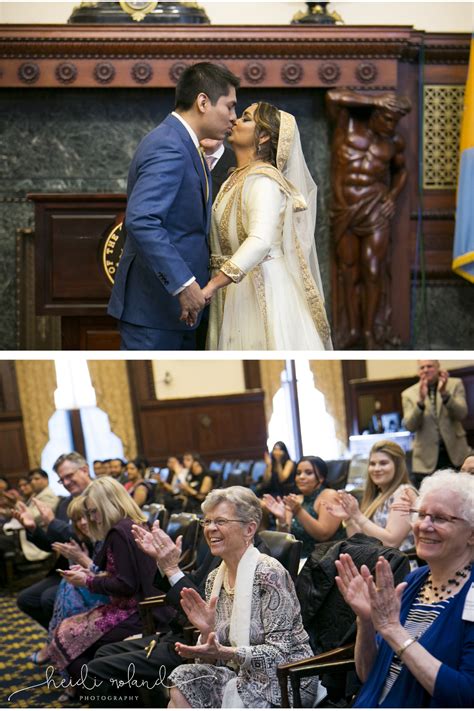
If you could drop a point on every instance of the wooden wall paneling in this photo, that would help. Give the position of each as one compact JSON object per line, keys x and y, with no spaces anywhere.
{"x":9,"y":397}
{"x":89,"y":333}
{"x":230,"y":426}
{"x":351,"y":370}
{"x":13,"y":454}
{"x":142,"y":389}
{"x":252,"y":374}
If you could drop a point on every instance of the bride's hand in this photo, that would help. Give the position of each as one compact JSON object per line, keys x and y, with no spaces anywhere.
{"x":208,"y":292}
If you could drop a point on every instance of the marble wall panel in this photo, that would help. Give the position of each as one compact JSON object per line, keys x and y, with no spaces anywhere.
{"x":83,"y":141}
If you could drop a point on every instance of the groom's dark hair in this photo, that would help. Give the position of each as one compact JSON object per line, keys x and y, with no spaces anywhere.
{"x":214,"y":80}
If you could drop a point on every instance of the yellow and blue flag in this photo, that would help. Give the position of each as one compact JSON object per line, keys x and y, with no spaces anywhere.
{"x":463,"y":252}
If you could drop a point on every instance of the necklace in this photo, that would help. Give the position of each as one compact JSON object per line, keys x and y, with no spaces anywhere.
{"x":227,"y":586}
{"x":433,"y":593}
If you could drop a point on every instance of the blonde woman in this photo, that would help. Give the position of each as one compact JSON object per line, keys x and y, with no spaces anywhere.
{"x":71,"y":600}
{"x":379,"y":514}
{"x":124,"y":574}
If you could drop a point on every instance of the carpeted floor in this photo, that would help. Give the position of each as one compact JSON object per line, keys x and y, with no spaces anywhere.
{"x":19,"y":637}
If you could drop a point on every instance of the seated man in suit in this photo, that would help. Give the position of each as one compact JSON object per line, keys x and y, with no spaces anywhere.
{"x":37,"y":601}
{"x":154,"y":657}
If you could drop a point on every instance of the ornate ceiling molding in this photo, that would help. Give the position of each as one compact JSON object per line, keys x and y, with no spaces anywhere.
{"x":268,"y":56}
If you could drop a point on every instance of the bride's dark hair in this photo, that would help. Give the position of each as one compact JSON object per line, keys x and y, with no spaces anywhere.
{"x":267,"y":123}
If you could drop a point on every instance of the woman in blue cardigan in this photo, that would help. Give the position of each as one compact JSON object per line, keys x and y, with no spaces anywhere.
{"x":415,"y":642}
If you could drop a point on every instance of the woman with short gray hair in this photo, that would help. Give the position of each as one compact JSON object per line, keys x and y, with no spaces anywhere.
{"x":250,"y":622}
{"x":423,"y":654}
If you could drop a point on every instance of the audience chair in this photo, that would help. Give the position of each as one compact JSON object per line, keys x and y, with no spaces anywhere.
{"x":336,"y":662}
{"x":236,"y":477}
{"x":256,"y":473}
{"x":329,"y":621}
{"x":186,"y":525}
{"x":156,"y":512}
{"x":285,"y":548}
{"x":338,"y":471}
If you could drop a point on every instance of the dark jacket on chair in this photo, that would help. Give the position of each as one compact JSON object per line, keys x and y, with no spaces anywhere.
{"x":327,"y":618}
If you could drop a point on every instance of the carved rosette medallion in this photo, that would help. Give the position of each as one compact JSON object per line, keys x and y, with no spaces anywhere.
{"x":176,"y":70}
{"x":142,"y":72}
{"x":112,"y":251}
{"x":329,"y":72}
{"x":66,"y":72}
{"x":366,"y":72}
{"x":104,"y":72}
{"x":254,"y":72}
{"x":28,"y":72}
{"x":292,"y":73}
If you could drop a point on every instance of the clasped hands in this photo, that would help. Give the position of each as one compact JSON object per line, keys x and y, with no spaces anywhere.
{"x":193,"y":299}
{"x":373,"y":601}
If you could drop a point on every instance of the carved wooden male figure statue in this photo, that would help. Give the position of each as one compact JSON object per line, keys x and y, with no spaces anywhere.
{"x":368,"y":173}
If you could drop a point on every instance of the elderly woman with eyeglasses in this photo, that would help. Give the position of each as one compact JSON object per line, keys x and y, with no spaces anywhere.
{"x":250,"y":622}
{"x":123,"y":572}
{"x":415,"y":642}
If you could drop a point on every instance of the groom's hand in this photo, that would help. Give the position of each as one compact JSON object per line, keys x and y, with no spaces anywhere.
{"x":192,"y":302}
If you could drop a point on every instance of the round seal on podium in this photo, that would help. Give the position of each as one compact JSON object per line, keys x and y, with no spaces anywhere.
{"x":112,"y":251}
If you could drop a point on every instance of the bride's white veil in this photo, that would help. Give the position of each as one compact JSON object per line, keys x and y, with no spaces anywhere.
{"x":291,"y":162}
{"x":299,"y":230}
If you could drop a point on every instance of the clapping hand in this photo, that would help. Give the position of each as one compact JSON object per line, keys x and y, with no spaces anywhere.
{"x":45,"y":511}
{"x":209,"y":651}
{"x":158,"y":545}
{"x":275,"y":506}
{"x":352,"y":585}
{"x":402,"y":504}
{"x":349,"y":503}
{"x":385,"y":598}
{"x":200,"y":613}
{"x":76,"y":575}
{"x":443,"y":376}
{"x":22,"y":515}
{"x":292,"y":502}
{"x":73,"y":551}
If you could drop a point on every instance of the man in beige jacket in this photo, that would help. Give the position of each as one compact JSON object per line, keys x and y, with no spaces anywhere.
{"x":433,"y":409}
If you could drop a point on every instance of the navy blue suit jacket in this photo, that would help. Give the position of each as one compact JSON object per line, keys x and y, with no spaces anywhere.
{"x":167,"y":225}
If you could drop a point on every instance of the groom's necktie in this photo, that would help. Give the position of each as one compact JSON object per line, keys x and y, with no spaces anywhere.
{"x":201,"y":156}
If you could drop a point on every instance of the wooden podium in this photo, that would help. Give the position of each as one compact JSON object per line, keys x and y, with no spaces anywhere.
{"x":75,"y":258}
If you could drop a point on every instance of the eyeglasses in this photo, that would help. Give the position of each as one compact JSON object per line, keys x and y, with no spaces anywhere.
{"x":437,"y":520}
{"x":219,"y":522}
{"x":67,"y":477}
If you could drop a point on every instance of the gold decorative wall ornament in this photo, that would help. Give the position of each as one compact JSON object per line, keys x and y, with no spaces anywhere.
{"x":138,"y":10}
{"x":442,"y":113}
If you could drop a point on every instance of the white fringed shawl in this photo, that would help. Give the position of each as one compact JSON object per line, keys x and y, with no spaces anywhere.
{"x":239,"y":632}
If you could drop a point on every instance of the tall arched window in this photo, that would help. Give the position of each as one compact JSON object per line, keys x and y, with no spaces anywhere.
{"x":78,"y":424}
